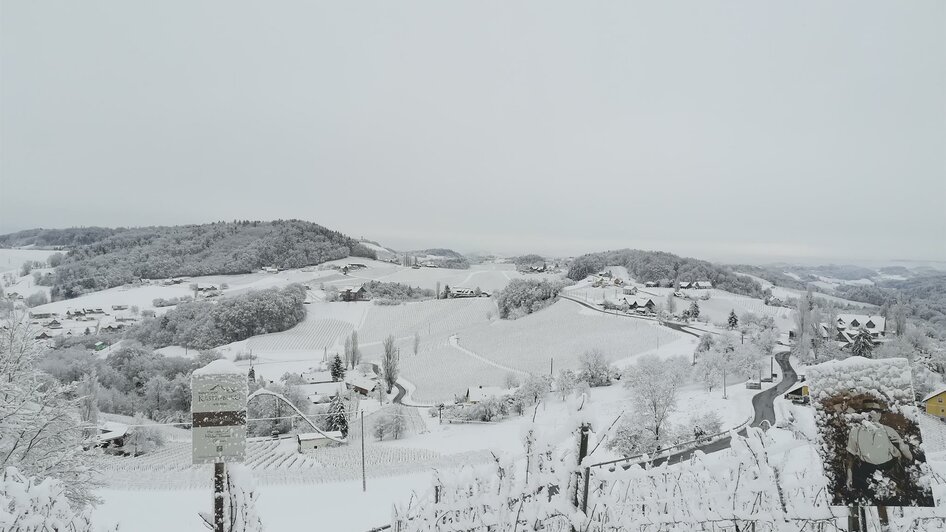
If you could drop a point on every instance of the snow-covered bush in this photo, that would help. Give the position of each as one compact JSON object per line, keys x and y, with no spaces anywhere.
{"x":40,"y":428}
{"x":705,"y":424}
{"x":31,"y":505}
{"x":594,"y":368}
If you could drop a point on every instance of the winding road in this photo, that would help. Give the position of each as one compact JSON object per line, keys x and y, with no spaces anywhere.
{"x":763,"y":403}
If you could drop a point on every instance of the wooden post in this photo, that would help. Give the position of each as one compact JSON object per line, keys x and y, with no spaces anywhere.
{"x":219,"y":473}
{"x":364,"y":483}
{"x":584,"y":499}
{"x":884,"y":520}
{"x":582,"y":452}
{"x":853,"y":518}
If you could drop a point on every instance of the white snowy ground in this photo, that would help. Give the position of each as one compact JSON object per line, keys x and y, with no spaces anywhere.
{"x":335,"y":507}
{"x":288,"y":499}
{"x":784,"y":293}
{"x":12,"y":259}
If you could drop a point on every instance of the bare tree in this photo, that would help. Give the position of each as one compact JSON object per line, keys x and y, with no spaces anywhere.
{"x":654,"y":385}
{"x":900,"y":318}
{"x":566,"y":382}
{"x":348,"y":357}
{"x":355,"y":352}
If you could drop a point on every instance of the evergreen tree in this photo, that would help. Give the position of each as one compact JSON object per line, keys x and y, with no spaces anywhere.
{"x":446,"y":291}
{"x":337,"y":369}
{"x":336,"y":418}
{"x":251,"y":375}
{"x":733,"y":320}
{"x":863,"y":344}
{"x":694,"y":310}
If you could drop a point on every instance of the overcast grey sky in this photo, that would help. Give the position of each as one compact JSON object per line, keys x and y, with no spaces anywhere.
{"x":725,"y":130}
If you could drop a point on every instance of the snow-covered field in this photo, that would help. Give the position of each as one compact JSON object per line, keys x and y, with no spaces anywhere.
{"x":785,"y":294}
{"x":336,"y":506}
{"x":12,"y":259}
{"x":560,"y":334}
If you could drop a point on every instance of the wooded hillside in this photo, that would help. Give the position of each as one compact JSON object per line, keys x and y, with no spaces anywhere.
{"x":664,"y":267}
{"x":104,"y":258}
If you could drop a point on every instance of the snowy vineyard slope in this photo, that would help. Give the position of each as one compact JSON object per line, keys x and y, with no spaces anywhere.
{"x":443,"y":372}
{"x":429,"y":318}
{"x":562,"y":332}
{"x":276,"y":462}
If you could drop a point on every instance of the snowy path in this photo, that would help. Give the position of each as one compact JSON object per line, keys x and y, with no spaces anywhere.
{"x":455,"y":342}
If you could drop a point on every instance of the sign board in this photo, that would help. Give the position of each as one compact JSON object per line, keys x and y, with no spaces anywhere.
{"x":218,"y":407}
{"x":869,"y":432}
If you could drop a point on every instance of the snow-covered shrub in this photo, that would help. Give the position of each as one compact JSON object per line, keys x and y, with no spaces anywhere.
{"x":29,"y":505}
{"x":705,"y":424}
{"x":594,"y":368}
{"x":40,"y":431}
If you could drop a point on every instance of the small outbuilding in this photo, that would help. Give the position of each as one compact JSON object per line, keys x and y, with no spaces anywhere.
{"x":798,"y":394}
{"x":310,"y":441}
{"x":935,"y":403}
{"x":360,"y":383}
{"x":482,"y":393}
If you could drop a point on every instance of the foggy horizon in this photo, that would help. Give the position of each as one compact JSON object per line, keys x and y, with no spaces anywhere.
{"x":755,"y":133}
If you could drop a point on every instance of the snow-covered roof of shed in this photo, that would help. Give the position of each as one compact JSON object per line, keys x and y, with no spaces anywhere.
{"x":329,"y":434}
{"x":482,"y":393}
{"x":112,"y":430}
{"x":361,"y":380}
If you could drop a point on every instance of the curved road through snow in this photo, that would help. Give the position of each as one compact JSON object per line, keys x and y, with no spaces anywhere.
{"x":762,"y":402}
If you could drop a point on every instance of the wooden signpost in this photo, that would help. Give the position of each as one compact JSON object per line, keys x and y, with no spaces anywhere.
{"x":218,"y":407}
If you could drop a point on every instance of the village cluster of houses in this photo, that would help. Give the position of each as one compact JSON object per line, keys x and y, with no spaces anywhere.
{"x":76,"y":321}
{"x":360,"y":293}
{"x":684,"y":285}
{"x":848,"y":326}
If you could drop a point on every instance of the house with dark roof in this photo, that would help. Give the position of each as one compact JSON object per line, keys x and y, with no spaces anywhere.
{"x":353,"y":293}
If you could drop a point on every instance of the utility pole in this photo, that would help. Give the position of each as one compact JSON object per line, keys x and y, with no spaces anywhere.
{"x":364,"y":483}
{"x":551,"y":366}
